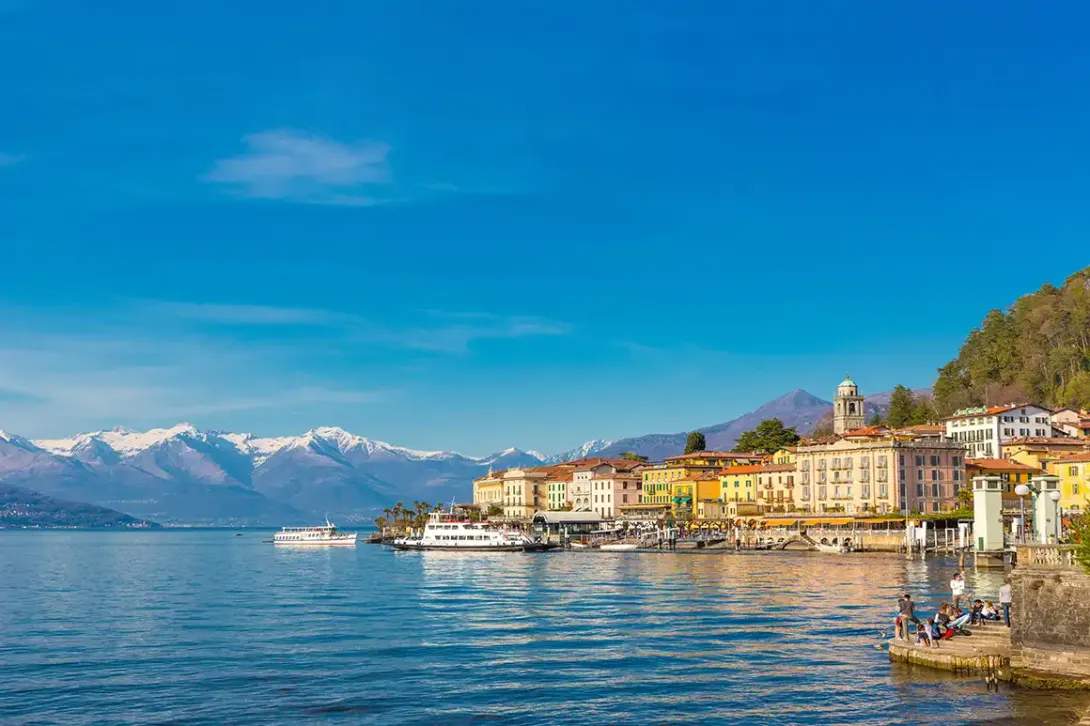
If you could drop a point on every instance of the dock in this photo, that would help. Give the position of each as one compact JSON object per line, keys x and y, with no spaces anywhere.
{"x":986,"y":652}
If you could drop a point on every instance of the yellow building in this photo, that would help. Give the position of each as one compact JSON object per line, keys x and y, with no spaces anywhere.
{"x":488,"y":490}
{"x":658,"y":479}
{"x":776,"y":487}
{"x":1074,"y":473}
{"x":1012,"y":473}
{"x":786,"y":455}
{"x":687,"y":493}
{"x":739,"y":483}
{"x":1039,"y":452}
{"x":526,"y":491}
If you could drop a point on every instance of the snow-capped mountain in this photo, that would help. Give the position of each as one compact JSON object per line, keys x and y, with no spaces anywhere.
{"x":182,"y":473}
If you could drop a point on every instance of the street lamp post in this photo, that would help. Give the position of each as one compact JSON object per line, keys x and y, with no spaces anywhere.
{"x":1022,"y":491}
{"x":1055,"y":496}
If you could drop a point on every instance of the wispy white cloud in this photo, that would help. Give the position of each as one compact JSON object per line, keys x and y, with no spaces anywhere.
{"x":302,"y":167}
{"x":441,"y":332}
{"x":148,"y":362}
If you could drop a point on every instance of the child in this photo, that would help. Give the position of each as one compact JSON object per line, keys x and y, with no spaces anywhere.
{"x":923,"y":636}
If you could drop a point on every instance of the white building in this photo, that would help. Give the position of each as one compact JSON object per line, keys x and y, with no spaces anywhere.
{"x":985,"y":431}
{"x":605,"y":485}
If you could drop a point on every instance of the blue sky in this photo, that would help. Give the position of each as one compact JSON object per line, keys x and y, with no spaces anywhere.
{"x":469,"y":225}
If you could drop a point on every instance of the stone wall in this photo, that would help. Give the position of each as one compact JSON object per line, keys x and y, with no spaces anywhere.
{"x":1050,"y":616}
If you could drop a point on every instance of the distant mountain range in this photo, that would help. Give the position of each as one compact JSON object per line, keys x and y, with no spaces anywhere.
{"x":182,"y":474}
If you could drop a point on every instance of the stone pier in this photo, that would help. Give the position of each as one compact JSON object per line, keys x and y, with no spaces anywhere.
{"x":1050,"y":638}
{"x":986,"y":652}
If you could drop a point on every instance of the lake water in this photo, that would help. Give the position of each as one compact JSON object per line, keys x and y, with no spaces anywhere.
{"x":199,"y":626}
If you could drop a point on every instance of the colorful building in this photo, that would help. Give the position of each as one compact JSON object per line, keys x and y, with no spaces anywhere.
{"x":988,"y":431}
{"x":739,"y":483}
{"x":776,"y":487}
{"x":1012,"y":473}
{"x":488,"y":490}
{"x":875,"y":470}
{"x":599,"y":485}
{"x":1073,"y":423}
{"x":1074,"y":473}
{"x":1038,"y":452}
{"x":658,"y":479}
{"x":559,"y":489}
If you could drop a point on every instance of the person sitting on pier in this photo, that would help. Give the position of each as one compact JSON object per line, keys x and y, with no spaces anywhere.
{"x":976,"y":612}
{"x":927,"y":634}
{"x":989,"y":612}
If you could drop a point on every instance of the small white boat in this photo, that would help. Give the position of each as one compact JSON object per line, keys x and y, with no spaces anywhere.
{"x":832,"y":549}
{"x":618,"y":547}
{"x":578,"y":546}
{"x":326,"y":536}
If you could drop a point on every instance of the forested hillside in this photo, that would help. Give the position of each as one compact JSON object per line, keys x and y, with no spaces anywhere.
{"x":1038,"y":350}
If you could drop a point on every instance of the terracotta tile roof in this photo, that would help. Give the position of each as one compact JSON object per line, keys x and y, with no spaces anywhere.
{"x":750,"y":469}
{"x":1054,"y":441}
{"x":999,"y":465}
{"x":618,"y":475}
{"x":777,"y":467}
{"x":925,"y":428}
{"x":1084,"y":456}
{"x":866,"y":431}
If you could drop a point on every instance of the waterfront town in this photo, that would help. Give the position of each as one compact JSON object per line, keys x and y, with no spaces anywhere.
{"x":859,"y":473}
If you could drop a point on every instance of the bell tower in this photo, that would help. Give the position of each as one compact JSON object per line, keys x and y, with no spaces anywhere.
{"x":847,"y":407}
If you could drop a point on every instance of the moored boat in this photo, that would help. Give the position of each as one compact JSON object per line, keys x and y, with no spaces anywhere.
{"x":445,"y":531}
{"x":618,"y":547}
{"x":325,"y":536}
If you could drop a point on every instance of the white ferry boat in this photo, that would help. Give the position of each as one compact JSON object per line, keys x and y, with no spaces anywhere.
{"x":445,"y":532}
{"x":327,"y":536}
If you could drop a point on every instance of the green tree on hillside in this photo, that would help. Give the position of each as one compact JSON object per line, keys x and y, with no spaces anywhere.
{"x":902,"y":404}
{"x":875,"y":420}
{"x":695,"y":442}
{"x":1037,"y":350}
{"x":768,"y":436}
{"x":632,"y":456}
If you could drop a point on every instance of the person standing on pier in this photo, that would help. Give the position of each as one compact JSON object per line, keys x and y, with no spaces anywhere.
{"x":957,"y":589}
{"x":906,"y":613}
{"x":1005,"y":601}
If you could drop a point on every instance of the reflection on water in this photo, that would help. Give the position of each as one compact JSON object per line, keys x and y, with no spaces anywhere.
{"x":151,"y":627}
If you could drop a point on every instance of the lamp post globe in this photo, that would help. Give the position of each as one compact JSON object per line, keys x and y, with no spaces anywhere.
{"x":1054,"y":495}
{"x":1021,"y":490}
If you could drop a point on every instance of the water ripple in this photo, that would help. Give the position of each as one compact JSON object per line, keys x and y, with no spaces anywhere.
{"x":201,"y":627}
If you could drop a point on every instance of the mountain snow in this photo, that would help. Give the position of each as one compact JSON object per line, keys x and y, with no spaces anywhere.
{"x":128,"y":443}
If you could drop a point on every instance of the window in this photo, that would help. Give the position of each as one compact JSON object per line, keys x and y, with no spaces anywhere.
{"x":957,"y":475}
{"x":866,"y":491}
{"x":955,"y":460}
{"x":935,"y":490}
{"x":836,"y":492}
{"x":919,"y":475}
{"x":934,"y":475}
{"x":883,"y":490}
{"x":821,"y":492}
{"x":902,"y":459}
{"x":936,"y":460}
{"x":848,"y":492}
{"x":919,"y":490}
{"x":1072,"y":471}
{"x":919,"y":461}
